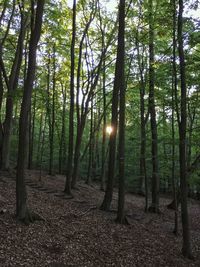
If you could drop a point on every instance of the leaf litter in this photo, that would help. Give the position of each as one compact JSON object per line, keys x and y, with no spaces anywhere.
{"x":76,"y":233}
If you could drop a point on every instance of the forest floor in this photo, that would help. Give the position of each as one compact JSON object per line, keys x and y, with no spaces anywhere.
{"x":76,"y":233}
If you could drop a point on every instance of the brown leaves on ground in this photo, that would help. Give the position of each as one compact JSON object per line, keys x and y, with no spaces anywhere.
{"x":76,"y":233}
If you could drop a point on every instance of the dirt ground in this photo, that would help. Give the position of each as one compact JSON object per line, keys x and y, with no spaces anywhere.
{"x":76,"y":233}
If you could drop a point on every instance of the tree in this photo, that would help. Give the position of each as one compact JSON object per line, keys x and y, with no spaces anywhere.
{"x":143,"y":117}
{"x":186,"y":249}
{"x":155,"y":176}
{"x":174,"y":92}
{"x":118,"y":83}
{"x":22,"y":211}
{"x":12,"y":82}
{"x":71,"y":116}
{"x":122,"y":104}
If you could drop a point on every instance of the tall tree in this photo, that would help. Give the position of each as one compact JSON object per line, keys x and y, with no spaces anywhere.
{"x":12,"y":83}
{"x":62,"y":149}
{"x":122,"y":89}
{"x":22,"y":211}
{"x":143,"y":117}
{"x":90,"y":85}
{"x":71,"y":115}
{"x":174,"y":92}
{"x":114,"y":123}
{"x":154,"y":147}
{"x":186,"y":249}
{"x":52,"y":116}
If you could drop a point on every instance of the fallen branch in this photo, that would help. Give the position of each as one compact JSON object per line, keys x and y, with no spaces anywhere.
{"x":85,"y":212}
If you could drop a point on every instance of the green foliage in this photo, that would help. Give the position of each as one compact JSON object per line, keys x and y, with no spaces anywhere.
{"x":56,"y":35}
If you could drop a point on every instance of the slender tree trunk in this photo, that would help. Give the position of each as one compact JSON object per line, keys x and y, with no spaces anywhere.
{"x":77,"y":155}
{"x":106,"y":204}
{"x":155,"y":176}
{"x":96,"y":157}
{"x":21,"y":195}
{"x":173,"y":167}
{"x":1,"y":125}
{"x":43,"y":131}
{"x":191,"y":120}
{"x":1,"y":90}
{"x":39,"y":140}
{"x":122,"y":103}
{"x":32,"y":134}
{"x":91,"y":146}
{"x":103,"y":147}
{"x":103,"y":153}
{"x":62,"y":150}
{"x":52,"y":117}
{"x":186,"y":249}
{"x":48,"y":108}
{"x":71,"y":112}
{"x":143,"y":175}
{"x":12,"y":86}
{"x":174,"y":89}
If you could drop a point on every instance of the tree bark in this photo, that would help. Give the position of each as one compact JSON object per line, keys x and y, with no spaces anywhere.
{"x":122,"y":103}
{"x":52,"y":117}
{"x":106,"y":204}
{"x":12,"y":86}
{"x":71,"y":112}
{"x":186,"y":249}
{"x":22,"y":211}
{"x":62,"y":149}
{"x":155,"y":176}
{"x":143,"y":120}
{"x":174,"y":89}
{"x":91,"y":146}
{"x":32,"y":134}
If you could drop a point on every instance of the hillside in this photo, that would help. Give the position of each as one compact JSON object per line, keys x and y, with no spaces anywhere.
{"x":76,"y":233}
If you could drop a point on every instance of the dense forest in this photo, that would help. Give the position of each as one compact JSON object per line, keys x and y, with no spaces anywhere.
{"x":102,"y":94}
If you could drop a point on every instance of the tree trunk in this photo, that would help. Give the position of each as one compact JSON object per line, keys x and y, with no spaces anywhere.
{"x":77,"y":155}
{"x":186,"y":249}
{"x":155,"y":176}
{"x":12,"y":86}
{"x":122,"y":103}
{"x":91,"y":146}
{"x":103,"y":152}
{"x":52,"y":118}
{"x":143,"y":175}
{"x":39,"y":140}
{"x":43,"y":130}
{"x":31,"y":134}
{"x":62,"y":149}
{"x":71,"y":112}
{"x":106,"y":204}
{"x":1,"y":125}
{"x":22,"y":211}
{"x":174,"y":91}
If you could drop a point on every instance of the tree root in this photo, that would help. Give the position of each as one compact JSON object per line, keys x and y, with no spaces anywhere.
{"x":123,"y":220}
{"x":30,"y":217}
{"x":87,"y":211}
{"x":153,"y":209}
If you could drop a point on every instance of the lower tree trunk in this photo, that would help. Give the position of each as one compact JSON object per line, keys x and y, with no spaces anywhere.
{"x":39,"y":140}
{"x":7,"y":134}
{"x":122,"y":102}
{"x":1,"y":125}
{"x":22,"y":211}
{"x":154,"y":147}
{"x":186,"y":249}
{"x":76,"y":159}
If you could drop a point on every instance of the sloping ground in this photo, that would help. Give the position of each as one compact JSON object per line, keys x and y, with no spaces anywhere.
{"x":77,"y":233}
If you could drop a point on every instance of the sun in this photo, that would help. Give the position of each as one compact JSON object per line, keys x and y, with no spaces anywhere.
{"x":109,"y":129}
